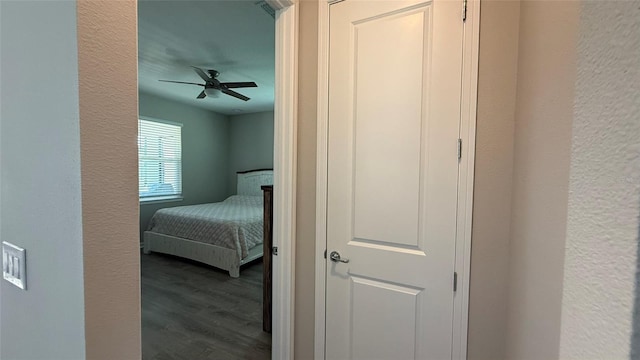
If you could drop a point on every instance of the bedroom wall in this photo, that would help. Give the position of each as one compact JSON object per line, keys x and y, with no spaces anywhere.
{"x":41,"y":180}
{"x":251,"y":144}
{"x":205,"y":152}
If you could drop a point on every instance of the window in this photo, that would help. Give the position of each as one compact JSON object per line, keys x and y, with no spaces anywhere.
{"x":160,"y":160}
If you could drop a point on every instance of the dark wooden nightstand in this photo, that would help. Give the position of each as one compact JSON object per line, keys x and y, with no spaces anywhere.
{"x":266,"y":257}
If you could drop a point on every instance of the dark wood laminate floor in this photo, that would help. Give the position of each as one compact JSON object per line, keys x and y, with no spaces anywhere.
{"x":192,"y":311}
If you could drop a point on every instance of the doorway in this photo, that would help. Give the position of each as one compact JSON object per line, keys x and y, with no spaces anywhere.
{"x":284,"y":171}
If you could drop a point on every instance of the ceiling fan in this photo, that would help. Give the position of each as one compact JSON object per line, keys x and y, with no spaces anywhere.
{"x":213,"y":87}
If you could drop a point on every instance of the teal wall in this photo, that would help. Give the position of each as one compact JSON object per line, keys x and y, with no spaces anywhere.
{"x":251,"y":144}
{"x":205,"y":152}
{"x":41,"y":209}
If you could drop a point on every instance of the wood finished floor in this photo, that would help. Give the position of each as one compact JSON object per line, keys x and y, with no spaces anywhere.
{"x":192,"y":311}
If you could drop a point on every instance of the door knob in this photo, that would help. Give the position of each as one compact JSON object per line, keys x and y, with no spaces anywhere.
{"x":335,"y":257}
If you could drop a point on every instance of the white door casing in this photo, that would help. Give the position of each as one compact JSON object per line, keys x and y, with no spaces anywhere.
{"x":284,"y":181}
{"x":284,"y":165}
{"x":394,"y":116}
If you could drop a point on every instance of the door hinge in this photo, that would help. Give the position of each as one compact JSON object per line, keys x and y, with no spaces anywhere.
{"x":459,"y":149}
{"x":325,"y":253}
{"x":455,"y":281}
{"x":464,"y":10}
{"x":274,"y":251}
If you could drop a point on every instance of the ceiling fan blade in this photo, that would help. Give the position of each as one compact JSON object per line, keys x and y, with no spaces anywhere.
{"x":202,"y":74}
{"x":234,"y":94}
{"x":234,"y":85}
{"x":202,"y":95}
{"x":181,"y":82}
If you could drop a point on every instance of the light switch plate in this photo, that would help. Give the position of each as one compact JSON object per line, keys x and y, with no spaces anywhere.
{"x":14,"y":265}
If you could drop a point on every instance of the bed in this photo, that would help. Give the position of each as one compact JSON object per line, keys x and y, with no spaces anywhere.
{"x":226,"y":235}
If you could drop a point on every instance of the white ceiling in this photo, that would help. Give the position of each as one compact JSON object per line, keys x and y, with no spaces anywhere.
{"x":237,"y":38}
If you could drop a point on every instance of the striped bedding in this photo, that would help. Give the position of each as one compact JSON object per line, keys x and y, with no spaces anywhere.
{"x":235,"y":223}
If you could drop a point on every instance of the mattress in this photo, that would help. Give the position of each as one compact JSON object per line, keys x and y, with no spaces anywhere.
{"x":235,"y":223}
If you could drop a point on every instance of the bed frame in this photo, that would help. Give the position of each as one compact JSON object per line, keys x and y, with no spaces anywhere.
{"x":249,"y":183}
{"x":217,"y":256}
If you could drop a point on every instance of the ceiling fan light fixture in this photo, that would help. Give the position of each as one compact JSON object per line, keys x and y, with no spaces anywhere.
{"x":211,"y":92}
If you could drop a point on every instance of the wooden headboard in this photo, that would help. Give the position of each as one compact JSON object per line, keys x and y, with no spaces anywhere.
{"x":249,"y":182}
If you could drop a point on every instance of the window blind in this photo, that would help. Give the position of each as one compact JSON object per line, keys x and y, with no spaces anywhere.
{"x":160,"y":159}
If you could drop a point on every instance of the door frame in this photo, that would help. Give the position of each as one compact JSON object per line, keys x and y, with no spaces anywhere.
{"x":284,"y":175}
{"x":469,"y":70}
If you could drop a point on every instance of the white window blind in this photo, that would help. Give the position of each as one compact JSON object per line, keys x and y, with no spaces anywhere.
{"x":160,"y":157}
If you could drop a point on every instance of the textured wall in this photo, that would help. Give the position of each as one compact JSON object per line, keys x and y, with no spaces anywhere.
{"x":604,"y":191}
{"x":107,"y":60}
{"x":544,"y":112}
{"x":40,"y":172}
{"x":494,"y":167}
{"x":251,"y":144}
{"x":205,"y":152}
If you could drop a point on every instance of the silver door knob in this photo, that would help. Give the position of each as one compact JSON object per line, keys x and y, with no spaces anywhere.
{"x":335,"y":257}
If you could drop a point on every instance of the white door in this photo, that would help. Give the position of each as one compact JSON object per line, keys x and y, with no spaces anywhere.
{"x":394,"y":114}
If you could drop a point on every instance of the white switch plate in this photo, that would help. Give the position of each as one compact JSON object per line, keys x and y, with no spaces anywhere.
{"x":14,"y":265}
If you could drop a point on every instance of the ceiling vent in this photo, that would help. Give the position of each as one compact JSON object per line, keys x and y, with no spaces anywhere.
{"x":267,"y":8}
